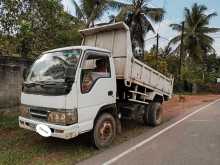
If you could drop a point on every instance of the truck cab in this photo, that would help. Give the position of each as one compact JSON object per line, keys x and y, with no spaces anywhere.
{"x":65,"y":90}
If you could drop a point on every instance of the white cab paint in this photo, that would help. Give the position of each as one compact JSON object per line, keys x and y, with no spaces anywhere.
{"x":57,"y":102}
{"x":90,"y":103}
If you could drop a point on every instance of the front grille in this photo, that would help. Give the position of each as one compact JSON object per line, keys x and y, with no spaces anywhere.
{"x":39,"y":114}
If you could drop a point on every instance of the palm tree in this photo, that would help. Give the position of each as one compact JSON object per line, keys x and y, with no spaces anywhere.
{"x":197,"y":41}
{"x":138,"y":16}
{"x":90,"y":10}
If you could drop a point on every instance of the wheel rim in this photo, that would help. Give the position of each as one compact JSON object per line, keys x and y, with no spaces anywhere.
{"x":105,"y":131}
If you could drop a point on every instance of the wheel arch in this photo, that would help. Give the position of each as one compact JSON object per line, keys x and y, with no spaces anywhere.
{"x":110,"y":108}
{"x":158,"y":98}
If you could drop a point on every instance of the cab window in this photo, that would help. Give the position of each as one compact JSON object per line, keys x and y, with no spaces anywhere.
{"x":94,"y":67}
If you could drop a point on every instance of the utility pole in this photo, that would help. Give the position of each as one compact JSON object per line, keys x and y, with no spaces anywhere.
{"x":157,"y":49}
{"x":157,"y":46}
{"x":181,"y":50}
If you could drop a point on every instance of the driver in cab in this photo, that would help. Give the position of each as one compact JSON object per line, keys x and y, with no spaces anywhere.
{"x":101,"y":70}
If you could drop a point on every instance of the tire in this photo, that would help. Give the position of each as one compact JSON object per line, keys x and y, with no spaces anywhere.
{"x":153,"y":115}
{"x":145,"y":116}
{"x":104,"y":131}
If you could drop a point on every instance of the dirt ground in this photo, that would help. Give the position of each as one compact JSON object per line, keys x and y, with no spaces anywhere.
{"x":19,"y":146}
{"x":172,"y":109}
{"x":179,"y":104}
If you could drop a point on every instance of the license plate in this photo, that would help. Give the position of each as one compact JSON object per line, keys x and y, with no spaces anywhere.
{"x":43,"y":130}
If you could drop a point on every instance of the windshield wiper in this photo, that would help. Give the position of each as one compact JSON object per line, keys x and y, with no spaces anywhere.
{"x":46,"y":84}
{"x":31,"y":84}
{"x":53,"y":84}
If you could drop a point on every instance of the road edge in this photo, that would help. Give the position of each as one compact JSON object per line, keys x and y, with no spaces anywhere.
{"x":133,"y":148}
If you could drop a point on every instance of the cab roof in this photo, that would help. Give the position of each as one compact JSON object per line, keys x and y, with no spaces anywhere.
{"x":104,"y":28}
{"x":77,"y":47}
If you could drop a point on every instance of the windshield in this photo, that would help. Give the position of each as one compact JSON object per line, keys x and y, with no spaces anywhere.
{"x":51,"y":67}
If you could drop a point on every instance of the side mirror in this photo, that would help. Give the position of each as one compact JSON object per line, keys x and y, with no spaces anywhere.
{"x":25,"y":73}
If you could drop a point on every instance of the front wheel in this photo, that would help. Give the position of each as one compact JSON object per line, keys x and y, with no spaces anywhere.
{"x":104,"y":131}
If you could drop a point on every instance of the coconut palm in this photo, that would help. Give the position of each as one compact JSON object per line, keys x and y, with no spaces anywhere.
{"x":138,"y":16}
{"x":91,"y":10}
{"x":196,"y":37}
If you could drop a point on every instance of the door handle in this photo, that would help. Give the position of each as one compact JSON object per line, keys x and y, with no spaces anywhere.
{"x":110,"y":93}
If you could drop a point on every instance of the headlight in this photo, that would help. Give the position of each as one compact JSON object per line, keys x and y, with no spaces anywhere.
{"x":66,"y":118}
{"x":24,"y":111}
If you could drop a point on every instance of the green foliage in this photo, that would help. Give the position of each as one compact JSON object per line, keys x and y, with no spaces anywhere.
{"x":8,"y":122}
{"x":7,"y":45}
{"x":29,"y":27}
{"x":193,"y":74}
{"x":159,"y":64}
{"x":173,"y":65}
{"x":196,"y":39}
{"x":199,"y":67}
{"x":138,"y":16}
{"x":89,"y":11}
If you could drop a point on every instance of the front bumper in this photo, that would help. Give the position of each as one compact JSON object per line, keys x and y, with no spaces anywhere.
{"x":58,"y":131}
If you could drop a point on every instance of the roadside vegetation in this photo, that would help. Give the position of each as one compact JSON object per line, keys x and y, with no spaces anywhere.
{"x":138,"y":16}
{"x":199,"y":66}
{"x":19,"y":146}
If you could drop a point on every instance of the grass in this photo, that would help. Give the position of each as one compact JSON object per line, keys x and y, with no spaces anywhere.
{"x":8,"y":120}
{"x":19,"y":146}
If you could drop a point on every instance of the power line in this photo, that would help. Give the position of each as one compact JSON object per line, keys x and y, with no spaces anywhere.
{"x":154,"y":37}
{"x":150,"y":38}
{"x":164,"y":38}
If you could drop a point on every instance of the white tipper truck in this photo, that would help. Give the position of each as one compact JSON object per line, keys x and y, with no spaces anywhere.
{"x":89,"y":88}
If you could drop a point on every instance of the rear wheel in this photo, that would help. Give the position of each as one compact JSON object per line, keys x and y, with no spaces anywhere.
{"x":104,"y":131}
{"x":153,"y":115}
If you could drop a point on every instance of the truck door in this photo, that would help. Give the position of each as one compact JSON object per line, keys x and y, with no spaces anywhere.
{"x":96,"y":88}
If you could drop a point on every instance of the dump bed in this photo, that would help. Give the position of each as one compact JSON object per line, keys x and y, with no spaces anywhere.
{"x":116,"y":38}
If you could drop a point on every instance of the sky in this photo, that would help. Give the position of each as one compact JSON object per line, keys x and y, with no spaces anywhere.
{"x":174,"y":14}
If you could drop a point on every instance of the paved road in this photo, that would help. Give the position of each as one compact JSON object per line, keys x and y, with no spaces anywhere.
{"x":194,"y":140}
